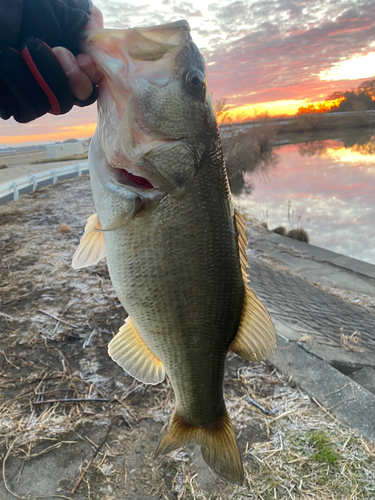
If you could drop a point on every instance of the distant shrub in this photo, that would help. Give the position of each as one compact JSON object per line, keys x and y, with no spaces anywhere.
{"x":279,"y":230}
{"x":247,"y":152}
{"x":3,"y":166}
{"x":298,"y":234}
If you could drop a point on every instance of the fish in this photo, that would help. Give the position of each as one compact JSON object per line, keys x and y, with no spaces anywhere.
{"x":174,"y":243}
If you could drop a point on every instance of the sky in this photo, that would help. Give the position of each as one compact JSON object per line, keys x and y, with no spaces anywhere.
{"x":264,"y":55}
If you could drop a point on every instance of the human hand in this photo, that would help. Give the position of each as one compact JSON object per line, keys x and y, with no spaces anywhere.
{"x":82,"y":70}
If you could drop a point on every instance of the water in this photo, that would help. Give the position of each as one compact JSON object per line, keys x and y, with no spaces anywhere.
{"x":326,"y":187}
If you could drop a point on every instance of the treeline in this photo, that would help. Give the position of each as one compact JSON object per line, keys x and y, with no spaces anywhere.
{"x":360,"y":99}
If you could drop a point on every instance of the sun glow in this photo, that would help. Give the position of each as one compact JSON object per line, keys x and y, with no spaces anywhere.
{"x":275,"y":109}
{"x":251,"y":111}
{"x":355,"y":68}
{"x":63,"y":133}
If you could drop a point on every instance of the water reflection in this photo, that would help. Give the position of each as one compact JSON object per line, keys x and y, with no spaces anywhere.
{"x":340,"y":149}
{"x":248,"y":154}
{"x":330,"y":184}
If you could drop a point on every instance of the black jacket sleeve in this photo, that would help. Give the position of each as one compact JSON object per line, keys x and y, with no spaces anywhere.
{"x":32,"y":82}
{"x":10,"y":21}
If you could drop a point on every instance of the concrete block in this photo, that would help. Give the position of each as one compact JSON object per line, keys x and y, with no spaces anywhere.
{"x":352,"y":404}
{"x":365,"y":377}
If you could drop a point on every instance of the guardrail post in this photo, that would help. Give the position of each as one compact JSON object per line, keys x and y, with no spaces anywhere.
{"x":78,"y":168}
{"x":54,"y":180}
{"x":15,"y":191}
{"x":35,"y":183}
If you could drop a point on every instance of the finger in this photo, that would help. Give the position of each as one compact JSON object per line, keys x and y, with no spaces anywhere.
{"x":79,"y":82}
{"x":96,"y":20}
{"x":88,"y":66}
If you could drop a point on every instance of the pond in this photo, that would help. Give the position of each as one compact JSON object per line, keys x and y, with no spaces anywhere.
{"x":326,"y":187}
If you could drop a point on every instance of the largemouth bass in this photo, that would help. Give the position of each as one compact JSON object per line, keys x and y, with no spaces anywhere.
{"x":175,"y":246}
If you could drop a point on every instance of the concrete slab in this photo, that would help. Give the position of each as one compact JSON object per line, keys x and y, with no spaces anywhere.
{"x":365,"y":377}
{"x":343,"y":397}
{"x":315,"y":264}
{"x":293,"y":333}
{"x":321,"y":254}
{"x":345,"y":361}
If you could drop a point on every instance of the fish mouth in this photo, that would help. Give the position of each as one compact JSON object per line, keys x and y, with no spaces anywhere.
{"x":129,"y":177}
{"x":131,"y":180}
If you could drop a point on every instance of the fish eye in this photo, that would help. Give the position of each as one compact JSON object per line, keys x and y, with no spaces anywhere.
{"x":195,"y":80}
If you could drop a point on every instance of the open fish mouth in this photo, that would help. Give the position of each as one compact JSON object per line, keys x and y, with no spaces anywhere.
{"x":149,"y":172}
{"x":132,"y":180}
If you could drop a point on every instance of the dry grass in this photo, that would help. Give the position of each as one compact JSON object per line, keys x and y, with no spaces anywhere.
{"x":68,"y":409}
{"x":363,"y":300}
{"x":350,"y":342}
{"x":80,"y":156}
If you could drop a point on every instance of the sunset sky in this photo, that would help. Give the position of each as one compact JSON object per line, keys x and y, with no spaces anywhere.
{"x":274,"y":55}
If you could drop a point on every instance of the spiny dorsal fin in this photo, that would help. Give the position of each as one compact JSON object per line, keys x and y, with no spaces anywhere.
{"x":132,"y":354}
{"x":91,"y":248}
{"x":256,"y":336}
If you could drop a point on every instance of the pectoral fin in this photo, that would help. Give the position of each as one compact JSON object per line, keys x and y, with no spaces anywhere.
{"x":256,"y":336}
{"x":117,"y":223}
{"x":132,"y":354}
{"x":91,"y":248}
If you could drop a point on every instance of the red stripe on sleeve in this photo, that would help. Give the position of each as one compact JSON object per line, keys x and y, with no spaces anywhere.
{"x":55,"y":105}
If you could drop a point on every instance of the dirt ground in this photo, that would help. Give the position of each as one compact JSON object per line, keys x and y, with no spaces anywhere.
{"x":73,"y":425}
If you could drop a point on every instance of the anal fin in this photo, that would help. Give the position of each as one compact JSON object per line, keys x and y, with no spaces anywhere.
{"x":132,"y":354}
{"x":256,"y":336}
{"x":91,"y":248}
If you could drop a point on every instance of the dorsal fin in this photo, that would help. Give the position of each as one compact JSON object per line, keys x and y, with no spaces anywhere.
{"x":91,"y":248}
{"x":256,"y":336}
{"x":132,"y":354}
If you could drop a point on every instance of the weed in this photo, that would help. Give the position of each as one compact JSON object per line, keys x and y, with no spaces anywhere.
{"x":323,"y":452}
{"x":350,"y":342}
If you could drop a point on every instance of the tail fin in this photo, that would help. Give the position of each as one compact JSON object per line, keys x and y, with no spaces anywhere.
{"x":218,"y":445}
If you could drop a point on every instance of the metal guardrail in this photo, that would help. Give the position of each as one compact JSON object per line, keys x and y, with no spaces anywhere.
{"x":13,"y":189}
